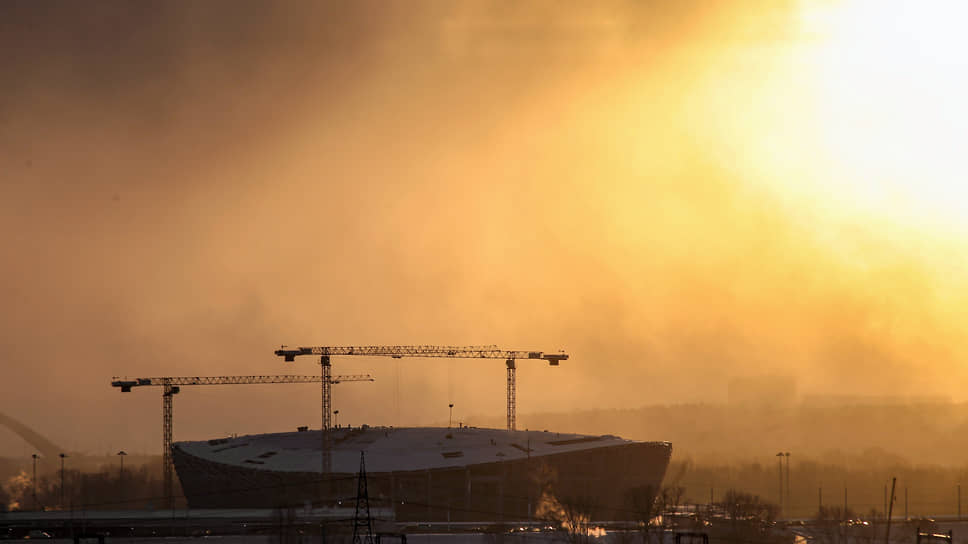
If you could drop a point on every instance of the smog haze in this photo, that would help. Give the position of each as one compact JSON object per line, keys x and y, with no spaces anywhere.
{"x":678,"y":194}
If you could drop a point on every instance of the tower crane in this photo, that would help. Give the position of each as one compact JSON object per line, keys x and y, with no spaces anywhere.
{"x":455,"y":352}
{"x":171,"y":385}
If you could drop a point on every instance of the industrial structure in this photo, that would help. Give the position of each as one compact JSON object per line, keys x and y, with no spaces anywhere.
{"x":202,"y":474}
{"x":452,"y":352}
{"x":171,"y":385}
{"x":462,"y":474}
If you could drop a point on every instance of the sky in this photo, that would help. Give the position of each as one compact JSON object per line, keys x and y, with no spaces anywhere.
{"x":676,"y":194}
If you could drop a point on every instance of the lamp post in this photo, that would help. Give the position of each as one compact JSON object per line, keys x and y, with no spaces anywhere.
{"x":62,"y":457}
{"x":788,"y":501}
{"x":844,"y":517}
{"x":33,"y":481}
{"x":450,"y":417}
{"x":779,"y":459}
{"x":336,"y":413}
{"x":121,"y":454}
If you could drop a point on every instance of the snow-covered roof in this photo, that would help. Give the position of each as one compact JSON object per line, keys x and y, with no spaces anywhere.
{"x":390,"y":449}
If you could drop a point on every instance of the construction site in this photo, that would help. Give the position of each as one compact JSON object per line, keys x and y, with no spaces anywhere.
{"x":454,"y":475}
{"x":345,"y":483}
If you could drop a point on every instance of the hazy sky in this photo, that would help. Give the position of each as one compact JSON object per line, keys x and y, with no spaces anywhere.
{"x":676,"y":193}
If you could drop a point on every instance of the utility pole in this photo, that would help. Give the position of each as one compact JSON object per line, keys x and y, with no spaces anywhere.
{"x":890,"y":513}
{"x":33,"y":483}
{"x":959,"y":501}
{"x":905,"y":503}
{"x":362,"y":508}
{"x":121,"y":454}
{"x":62,"y":457}
{"x":845,"y":516}
{"x":819,"y":500}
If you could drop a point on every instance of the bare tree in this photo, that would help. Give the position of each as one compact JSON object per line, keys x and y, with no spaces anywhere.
{"x":644,"y":505}
{"x":830,"y":524}
{"x":749,"y":517}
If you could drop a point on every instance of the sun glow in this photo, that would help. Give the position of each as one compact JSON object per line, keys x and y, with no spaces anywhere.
{"x":890,"y":84}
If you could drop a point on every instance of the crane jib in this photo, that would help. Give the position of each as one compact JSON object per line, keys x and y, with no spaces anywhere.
{"x":398,"y":352}
{"x":127,"y":384}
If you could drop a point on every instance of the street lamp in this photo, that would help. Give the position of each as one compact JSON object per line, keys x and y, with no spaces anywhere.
{"x":787,"y":455}
{"x":779,"y":459}
{"x":336,"y":413}
{"x":121,"y":454}
{"x":33,"y":481}
{"x":62,"y":457}
{"x":450,"y":418}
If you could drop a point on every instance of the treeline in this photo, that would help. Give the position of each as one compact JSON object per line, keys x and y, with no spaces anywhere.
{"x":138,"y":487}
{"x":809,"y":486}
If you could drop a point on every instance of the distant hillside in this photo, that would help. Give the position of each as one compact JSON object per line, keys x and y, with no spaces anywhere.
{"x":918,"y":433}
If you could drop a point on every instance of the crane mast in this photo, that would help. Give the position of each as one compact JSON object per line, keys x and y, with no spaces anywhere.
{"x":171,"y":386}
{"x":453,"y":352}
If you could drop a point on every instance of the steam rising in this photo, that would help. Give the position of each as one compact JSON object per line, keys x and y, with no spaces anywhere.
{"x":572,"y":520}
{"x":17,"y":488}
{"x":186,"y":186}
